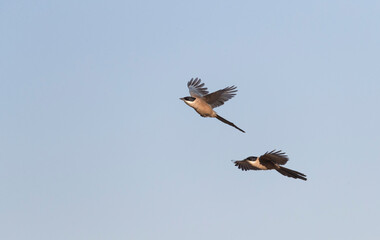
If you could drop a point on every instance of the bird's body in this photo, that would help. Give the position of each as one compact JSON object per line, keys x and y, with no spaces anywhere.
{"x":204,"y":102}
{"x":268,"y":161}
{"x":202,"y":107}
{"x":256,"y":164}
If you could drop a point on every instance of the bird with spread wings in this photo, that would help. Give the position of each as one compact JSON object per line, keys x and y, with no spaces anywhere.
{"x":268,"y":161}
{"x":204,"y":102}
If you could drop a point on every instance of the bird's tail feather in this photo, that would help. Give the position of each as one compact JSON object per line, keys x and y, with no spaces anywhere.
{"x":228,"y":122}
{"x":291,"y":173}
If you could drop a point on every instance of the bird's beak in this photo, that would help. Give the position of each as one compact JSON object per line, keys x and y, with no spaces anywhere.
{"x":181,"y":99}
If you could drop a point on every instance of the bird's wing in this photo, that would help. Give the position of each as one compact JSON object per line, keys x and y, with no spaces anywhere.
{"x":219,"y":97}
{"x":244,"y":165}
{"x":274,"y":156}
{"x":196,"y":88}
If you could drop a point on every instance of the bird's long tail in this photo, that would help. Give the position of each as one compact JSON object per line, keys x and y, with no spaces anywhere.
{"x":291,"y":173}
{"x":228,"y":122}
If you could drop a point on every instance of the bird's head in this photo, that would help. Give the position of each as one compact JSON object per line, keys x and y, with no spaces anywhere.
{"x":188,"y":100}
{"x":251,"y":158}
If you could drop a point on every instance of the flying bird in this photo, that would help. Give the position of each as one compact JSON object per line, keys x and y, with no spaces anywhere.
{"x":268,"y":161}
{"x":204,"y":102}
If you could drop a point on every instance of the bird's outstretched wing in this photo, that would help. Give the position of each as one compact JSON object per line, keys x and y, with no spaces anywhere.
{"x":274,"y":156}
{"x":196,"y":88}
{"x":244,"y":165}
{"x":221,"y":96}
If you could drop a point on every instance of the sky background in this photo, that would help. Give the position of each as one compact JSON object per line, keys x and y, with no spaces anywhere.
{"x":95,"y":144}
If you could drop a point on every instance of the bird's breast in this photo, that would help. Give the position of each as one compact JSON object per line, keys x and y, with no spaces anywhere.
{"x":258,"y":165}
{"x":203,"y":108}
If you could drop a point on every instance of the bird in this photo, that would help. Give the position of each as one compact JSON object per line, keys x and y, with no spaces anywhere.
{"x":269,"y":160}
{"x":204,"y":102}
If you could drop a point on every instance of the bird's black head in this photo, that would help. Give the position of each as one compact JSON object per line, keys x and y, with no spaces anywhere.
{"x":189,"y":99}
{"x":251,"y":158}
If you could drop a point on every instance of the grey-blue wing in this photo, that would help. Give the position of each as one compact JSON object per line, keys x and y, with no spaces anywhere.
{"x":219,"y":97}
{"x":196,"y":88}
{"x":274,"y":156}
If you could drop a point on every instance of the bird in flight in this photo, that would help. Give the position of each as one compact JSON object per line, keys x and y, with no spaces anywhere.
{"x":204,"y":102}
{"x":268,"y":161}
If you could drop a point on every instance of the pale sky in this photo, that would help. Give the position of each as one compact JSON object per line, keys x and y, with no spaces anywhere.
{"x":95,"y":143}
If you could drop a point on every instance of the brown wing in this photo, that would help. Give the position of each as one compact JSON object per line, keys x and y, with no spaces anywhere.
{"x":196,"y":88}
{"x":244,"y":165}
{"x":219,"y":97}
{"x":274,"y":156}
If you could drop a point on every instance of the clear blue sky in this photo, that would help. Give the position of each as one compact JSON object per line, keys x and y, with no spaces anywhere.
{"x":95,"y":144}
